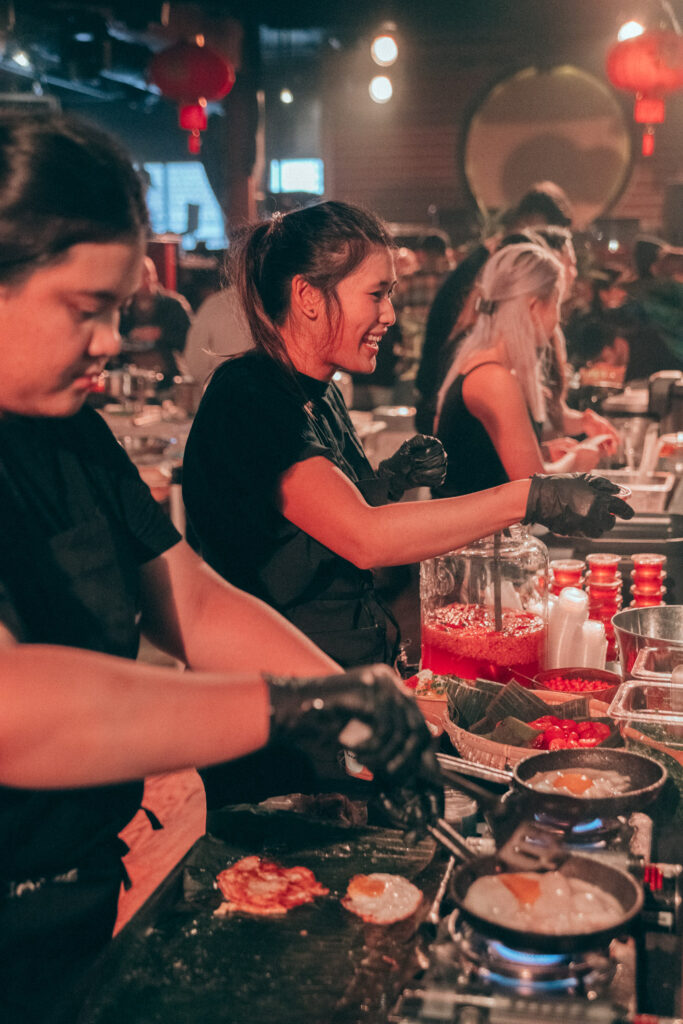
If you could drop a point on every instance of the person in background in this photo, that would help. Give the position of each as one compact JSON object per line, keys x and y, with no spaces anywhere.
{"x":416,"y":292}
{"x":491,"y":405}
{"x":562,"y":422}
{"x":544,"y":204}
{"x":276,"y":483}
{"x":154,"y":325}
{"x":219,"y":329}
{"x":88,"y":561}
{"x":653,"y":314}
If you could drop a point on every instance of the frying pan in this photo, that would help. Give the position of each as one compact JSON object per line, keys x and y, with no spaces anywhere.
{"x":503,"y":813}
{"x":646,"y":775}
{"x":614,"y":881}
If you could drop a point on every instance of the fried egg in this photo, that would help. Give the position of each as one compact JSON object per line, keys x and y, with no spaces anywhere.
{"x":581,"y":782}
{"x":381,"y":898}
{"x":547,"y":903}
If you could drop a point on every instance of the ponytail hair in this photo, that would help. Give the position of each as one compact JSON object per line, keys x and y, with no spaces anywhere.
{"x":323,"y":243}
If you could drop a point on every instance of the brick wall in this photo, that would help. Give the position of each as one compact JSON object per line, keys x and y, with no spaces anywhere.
{"x":405,"y":157}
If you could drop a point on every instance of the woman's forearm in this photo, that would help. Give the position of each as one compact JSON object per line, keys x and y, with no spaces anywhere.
{"x":412,"y":531}
{"x":76,"y":718}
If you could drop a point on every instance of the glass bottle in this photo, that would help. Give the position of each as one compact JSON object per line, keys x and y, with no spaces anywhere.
{"x":484,"y":608}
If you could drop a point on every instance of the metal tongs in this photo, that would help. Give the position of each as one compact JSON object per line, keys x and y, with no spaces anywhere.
{"x":522,"y":845}
{"x":528,"y":848}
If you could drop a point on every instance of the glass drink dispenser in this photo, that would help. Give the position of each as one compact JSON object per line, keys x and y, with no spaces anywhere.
{"x":484,"y":608}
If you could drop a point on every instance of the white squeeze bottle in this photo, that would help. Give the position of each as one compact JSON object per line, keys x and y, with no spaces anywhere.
{"x":595,"y":644}
{"x":565,"y":628}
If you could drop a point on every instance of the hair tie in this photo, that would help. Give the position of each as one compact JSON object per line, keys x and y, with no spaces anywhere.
{"x":486,"y":306}
{"x":276,"y":220}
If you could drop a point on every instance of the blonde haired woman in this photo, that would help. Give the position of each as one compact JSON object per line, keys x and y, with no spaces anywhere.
{"x":492,"y":404}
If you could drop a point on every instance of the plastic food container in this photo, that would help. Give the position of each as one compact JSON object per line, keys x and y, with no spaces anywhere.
{"x":648,"y":494}
{"x":650,"y":719}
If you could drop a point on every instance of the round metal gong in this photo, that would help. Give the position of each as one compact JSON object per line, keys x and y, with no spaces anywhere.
{"x":562,"y":125}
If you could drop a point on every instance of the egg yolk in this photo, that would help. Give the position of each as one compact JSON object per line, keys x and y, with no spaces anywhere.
{"x":573,"y":783}
{"x":525,"y":890}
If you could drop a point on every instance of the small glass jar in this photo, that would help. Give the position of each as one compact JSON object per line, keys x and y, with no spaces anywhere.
{"x":484,"y":608}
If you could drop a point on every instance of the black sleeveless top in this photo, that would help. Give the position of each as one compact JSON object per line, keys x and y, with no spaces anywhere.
{"x":473,"y":462}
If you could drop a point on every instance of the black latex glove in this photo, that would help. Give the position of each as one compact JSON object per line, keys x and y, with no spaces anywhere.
{"x":575,"y":504}
{"x":416,"y":805}
{"x":394,"y":739}
{"x":419,"y":462}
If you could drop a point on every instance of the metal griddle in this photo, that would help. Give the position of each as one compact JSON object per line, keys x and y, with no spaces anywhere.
{"x":175,"y":961}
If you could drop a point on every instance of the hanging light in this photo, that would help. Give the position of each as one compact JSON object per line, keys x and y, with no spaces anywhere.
{"x":381,"y":90}
{"x":384,"y":50}
{"x":649,"y":65}
{"x":192,"y":74}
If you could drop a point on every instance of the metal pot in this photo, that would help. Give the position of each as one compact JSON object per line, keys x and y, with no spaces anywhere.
{"x":646,"y":777}
{"x":613,"y":881}
{"x":660,"y":627}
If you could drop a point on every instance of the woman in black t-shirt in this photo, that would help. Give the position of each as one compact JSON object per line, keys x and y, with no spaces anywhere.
{"x":276,"y":483}
{"x":87,"y":562}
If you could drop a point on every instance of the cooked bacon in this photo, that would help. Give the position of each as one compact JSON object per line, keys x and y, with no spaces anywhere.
{"x":256,"y":886}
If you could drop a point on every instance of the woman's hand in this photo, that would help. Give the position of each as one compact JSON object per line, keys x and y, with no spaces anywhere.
{"x":588,"y":454}
{"x":366,"y":709}
{"x":557,"y":447}
{"x":575,"y":504}
{"x":594,"y":425}
{"x":419,"y":462}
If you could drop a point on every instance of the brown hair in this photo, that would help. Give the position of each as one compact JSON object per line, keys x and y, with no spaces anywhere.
{"x":323,"y":243}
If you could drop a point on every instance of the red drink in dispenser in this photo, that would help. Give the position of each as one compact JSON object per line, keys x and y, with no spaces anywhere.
{"x":462,"y":640}
{"x":484,"y":608}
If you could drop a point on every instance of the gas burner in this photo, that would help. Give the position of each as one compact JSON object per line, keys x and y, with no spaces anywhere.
{"x":490,"y":964}
{"x":594,"y":834}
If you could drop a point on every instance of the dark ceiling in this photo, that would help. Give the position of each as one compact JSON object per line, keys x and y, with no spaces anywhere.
{"x":100,"y":51}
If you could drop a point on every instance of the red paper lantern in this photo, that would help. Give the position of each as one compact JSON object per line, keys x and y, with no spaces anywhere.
{"x":193,"y":117}
{"x":649,"y":65}
{"x":192,"y":74}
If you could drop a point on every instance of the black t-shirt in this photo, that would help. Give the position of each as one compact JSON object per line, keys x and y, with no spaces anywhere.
{"x":473,"y":462}
{"x":254,"y":422}
{"x":76,"y":524}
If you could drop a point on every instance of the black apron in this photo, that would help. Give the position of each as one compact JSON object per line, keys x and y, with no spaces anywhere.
{"x":57,"y":916}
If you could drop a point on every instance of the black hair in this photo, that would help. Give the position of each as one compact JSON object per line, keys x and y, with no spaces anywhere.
{"x":63,"y":181}
{"x":433,"y":243}
{"x":545,"y":199}
{"x":646,"y":252}
{"x":323,"y":243}
{"x":555,"y":237}
{"x":589,"y":338}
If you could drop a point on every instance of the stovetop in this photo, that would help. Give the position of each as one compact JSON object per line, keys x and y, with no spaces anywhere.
{"x":470,"y":978}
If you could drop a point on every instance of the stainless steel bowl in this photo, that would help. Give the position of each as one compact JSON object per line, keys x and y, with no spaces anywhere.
{"x":659,"y":627}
